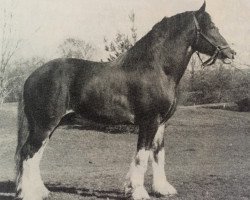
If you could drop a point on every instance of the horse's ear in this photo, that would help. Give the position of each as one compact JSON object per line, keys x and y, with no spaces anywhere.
{"x":203,"y":8}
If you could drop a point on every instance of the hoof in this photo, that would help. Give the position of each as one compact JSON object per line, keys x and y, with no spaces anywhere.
{"x":33,"y":198}
{"x":45,"y":193}
{"x":139,"y":193}
{"x":164,"y":190}
{"x":41,"y":194}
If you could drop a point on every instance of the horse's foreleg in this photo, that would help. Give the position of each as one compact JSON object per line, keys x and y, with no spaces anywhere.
{"x":29,"y":184}
{"x":160,"y":184}
{"x":135,"y":177}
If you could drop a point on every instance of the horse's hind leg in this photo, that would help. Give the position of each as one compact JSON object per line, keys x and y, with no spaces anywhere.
{"x":29,"y":184}
{"x":160,"y":184}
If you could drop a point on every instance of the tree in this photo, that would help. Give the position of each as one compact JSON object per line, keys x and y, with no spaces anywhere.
{"x":18,"y":73}
{"x":194,"y":65}
{"x":9,"y":47}
{"x":122,"y":42}
{"x":76,"y":48}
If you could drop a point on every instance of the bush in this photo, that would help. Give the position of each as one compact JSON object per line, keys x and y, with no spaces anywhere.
{"x":215,"y":85}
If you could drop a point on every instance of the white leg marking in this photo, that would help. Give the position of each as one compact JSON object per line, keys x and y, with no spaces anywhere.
{"x":30,"y":183}
{"x":160,"y":183}
{"x":135,"y":176}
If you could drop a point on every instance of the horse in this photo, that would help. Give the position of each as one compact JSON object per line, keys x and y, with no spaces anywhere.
{"x":139,"y":88}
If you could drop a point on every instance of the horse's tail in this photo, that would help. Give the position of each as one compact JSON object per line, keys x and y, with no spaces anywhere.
{"x":22,"y":130}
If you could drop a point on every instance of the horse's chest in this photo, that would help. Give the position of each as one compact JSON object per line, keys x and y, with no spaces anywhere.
{"x":166,"y":105}
{"x":169,"y":111}
{"x":157,"y":97}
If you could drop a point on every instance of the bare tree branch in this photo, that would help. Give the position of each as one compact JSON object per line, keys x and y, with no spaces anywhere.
{"x":76,"y":48}
{"x":9,"y":48}
{"x":122,"y":42}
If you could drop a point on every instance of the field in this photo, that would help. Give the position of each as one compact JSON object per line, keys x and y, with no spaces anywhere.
{"x":207,"y":157}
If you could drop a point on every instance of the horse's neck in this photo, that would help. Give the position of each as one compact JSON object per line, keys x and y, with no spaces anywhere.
{"x":173,"y":57}
{"x":170,"y":55}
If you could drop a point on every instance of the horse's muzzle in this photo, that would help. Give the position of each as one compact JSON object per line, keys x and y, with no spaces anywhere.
{"x":227,"y":53}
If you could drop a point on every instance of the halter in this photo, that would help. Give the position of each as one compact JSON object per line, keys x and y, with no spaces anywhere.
{"x":218,"y":49}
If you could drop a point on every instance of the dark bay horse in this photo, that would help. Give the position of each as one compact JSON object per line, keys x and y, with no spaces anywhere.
{"x":138,"y":88}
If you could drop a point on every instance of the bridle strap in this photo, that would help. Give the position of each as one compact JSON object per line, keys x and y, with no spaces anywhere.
{"x":218,"y":49}
{"x":198,"y":29}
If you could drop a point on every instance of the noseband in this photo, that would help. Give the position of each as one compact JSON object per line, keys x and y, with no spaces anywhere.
{"x":218,"y":49}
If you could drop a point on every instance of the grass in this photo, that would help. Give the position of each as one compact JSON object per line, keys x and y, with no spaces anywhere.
{"x":207,"y":157}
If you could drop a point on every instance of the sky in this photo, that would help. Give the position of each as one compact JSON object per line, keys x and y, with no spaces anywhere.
{"x":43,"y":24}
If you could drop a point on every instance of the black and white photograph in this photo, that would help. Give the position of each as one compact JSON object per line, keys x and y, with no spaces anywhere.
{"x":124,"y":100}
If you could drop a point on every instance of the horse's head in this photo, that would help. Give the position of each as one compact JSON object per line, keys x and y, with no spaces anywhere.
{"x":208,"y":40}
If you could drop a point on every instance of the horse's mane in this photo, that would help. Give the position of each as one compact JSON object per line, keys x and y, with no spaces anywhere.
{"x":173,"y":25}
{"x":169,"y":28}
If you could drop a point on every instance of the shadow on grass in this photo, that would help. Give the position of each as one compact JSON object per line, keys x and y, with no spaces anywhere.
{"x":113,"y":129}
{"x":7,"y":190}
{"x":75,"y":121}
{"x":6,"y":197}
{"x":104,"y":194}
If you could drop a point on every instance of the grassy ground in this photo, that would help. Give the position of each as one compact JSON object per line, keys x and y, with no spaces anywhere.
{"x":207,"y":157}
